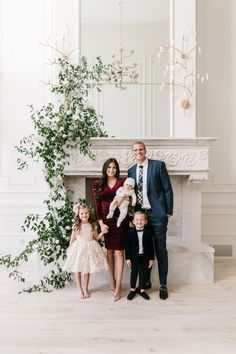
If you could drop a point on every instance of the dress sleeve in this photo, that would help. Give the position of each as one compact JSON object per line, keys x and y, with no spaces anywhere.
{"x":97,"y":201}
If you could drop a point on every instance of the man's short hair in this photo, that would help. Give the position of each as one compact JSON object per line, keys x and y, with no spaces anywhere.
{"x":139,"y":142}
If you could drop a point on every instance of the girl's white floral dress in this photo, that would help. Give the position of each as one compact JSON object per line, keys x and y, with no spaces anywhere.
{"x":85,"y":254}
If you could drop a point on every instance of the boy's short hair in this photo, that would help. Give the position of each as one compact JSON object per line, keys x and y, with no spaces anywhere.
{"x":141,"y":213}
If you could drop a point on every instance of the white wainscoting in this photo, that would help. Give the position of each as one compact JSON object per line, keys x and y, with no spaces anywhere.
{"x":219,"y":215}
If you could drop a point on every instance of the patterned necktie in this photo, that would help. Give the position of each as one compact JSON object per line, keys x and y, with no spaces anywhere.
{"x":140,"y":186}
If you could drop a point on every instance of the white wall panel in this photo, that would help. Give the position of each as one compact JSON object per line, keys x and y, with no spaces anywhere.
{"x":23,"y":68}
{"x":144,"y":106}
{"x":216,"y":117}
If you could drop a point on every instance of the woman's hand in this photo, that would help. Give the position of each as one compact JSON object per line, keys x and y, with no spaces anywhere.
{"x":104,"y":228}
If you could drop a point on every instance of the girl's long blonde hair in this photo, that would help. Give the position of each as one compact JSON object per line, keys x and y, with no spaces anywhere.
{"x":77,"y":221}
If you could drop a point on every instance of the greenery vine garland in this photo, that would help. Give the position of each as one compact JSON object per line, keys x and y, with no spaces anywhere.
{"x":59,"y":128}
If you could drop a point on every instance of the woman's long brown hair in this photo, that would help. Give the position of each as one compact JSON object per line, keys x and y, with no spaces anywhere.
{"x":104,"y":178}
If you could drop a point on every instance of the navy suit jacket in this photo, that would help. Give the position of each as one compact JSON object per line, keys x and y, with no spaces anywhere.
{"x":159,"y":190}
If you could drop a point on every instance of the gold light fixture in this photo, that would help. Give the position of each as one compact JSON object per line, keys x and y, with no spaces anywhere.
{"x":181,"y":68}
{"x":126,"y":71}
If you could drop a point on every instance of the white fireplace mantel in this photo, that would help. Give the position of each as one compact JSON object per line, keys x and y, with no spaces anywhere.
{"x":189,"y":156}
{"x":187,"y":160}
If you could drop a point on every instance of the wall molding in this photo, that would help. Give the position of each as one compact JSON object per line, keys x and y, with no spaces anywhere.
{"x":222,"y":213}
{"x":212,"y":181}
{"x":16,"y":235}
{"x":223,"y":235}
{"x":219,"y":204}
{"x":19,"y":205}
{"x":31,"y":180}
{"x":218,"y":191}
{"x":1,"y":87}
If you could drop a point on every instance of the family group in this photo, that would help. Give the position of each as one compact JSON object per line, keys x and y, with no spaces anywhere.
{"x":149,"y":192}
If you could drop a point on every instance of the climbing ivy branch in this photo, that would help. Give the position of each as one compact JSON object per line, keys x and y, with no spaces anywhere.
{"x":59,"y":128}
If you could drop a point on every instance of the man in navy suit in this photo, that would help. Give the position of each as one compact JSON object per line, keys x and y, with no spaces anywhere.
{"x":155,"y":197}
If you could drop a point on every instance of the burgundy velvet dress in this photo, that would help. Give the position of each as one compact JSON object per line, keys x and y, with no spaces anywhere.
{"x":115,"y":238}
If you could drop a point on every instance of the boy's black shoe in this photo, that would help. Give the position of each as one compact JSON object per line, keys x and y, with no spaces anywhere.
{"x":163,"y":294}
{"x":148,"y":285}
{"x":144,"y":295}
{"x":131,"y":295}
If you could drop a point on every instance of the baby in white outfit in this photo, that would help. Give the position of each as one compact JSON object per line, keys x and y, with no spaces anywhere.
{"x":127,"y":191}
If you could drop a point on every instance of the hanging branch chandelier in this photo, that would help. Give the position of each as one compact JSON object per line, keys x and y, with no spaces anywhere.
{"x":126,"y":72}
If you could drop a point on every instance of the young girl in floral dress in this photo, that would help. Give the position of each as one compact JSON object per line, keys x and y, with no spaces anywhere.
{"x":84,"y":254}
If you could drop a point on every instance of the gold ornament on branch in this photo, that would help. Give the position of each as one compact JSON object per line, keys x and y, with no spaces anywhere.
{"x":181,"y":68}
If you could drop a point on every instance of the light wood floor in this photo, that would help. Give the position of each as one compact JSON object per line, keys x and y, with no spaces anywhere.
{"x":197,"y":319}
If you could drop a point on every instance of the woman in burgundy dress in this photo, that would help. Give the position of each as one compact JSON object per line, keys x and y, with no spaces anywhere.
{"x":104,"y":192}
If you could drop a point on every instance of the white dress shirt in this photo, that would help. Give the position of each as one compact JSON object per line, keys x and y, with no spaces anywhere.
{"x":146,"y":204}
{"x":140,"y":241}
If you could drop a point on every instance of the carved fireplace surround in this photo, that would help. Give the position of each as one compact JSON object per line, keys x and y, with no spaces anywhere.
{"x":187,"y":160}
